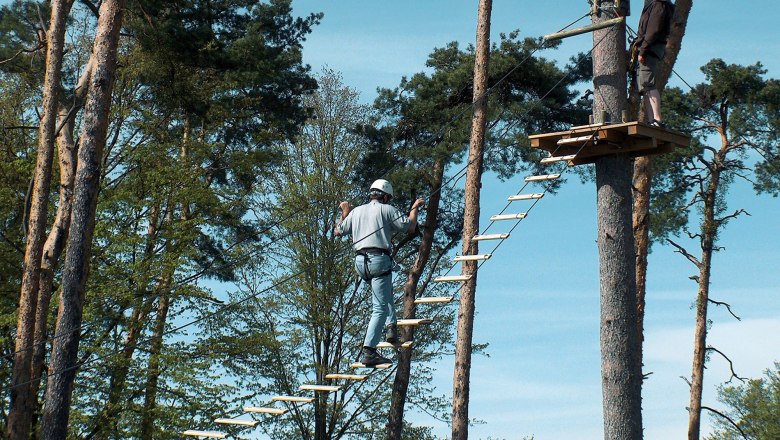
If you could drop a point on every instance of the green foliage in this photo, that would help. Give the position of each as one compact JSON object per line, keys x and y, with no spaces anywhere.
{"x":754,"y":407}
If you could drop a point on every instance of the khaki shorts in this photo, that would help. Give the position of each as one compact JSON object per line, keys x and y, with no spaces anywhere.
{"x":647,"y":72}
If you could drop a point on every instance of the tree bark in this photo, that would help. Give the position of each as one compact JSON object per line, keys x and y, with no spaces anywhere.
{"x":643,"y":170}
{"x":55,"y":243}
{"x":153,"y":370}
{"x":62,"y":369}
{"x":463,"y":343}
{"x":21,"y":399}
{"x":709,"y":232}
{"x":620,"y":375}
{"x":404,"y":364}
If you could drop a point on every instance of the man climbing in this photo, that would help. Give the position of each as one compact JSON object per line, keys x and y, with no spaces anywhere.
{"x":372,"y":226}
{"x":650,"y":46}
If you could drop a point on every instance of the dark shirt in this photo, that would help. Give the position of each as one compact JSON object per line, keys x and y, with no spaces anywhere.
{"x":654,"y":26}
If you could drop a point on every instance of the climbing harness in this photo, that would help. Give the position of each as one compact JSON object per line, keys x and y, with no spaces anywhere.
{"x":365,"y":252}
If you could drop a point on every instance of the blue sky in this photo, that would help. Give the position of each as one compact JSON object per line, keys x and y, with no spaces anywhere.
{"x":537,"y":298}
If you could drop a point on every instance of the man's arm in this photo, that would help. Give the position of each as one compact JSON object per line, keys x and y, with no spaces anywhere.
{"x":413,"y":214}
{"x":346,"y":208}
{"x":655,"y":22}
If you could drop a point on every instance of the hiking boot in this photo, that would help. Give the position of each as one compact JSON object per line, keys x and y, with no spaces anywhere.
{"x":391,"y":333}
{"x":657,"y":123}
{"x":371,"y":358}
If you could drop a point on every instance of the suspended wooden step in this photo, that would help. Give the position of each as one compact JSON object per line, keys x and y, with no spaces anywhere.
{"x":383,"y":344}
{"x":591,"y":126}
{"x":450,"y":278}
{"x":630,"y":138}
{"x":434,"y":299}
{"x":542,"y":177}
{"x":293,"y":399}
{"x":472,"y":257}
{"x":500,"y":217}
{"x":265,"y":410}
{"x":519,"y":197}
{"x":490,"y":237}
{"x":236,"y":422}
{"x":584,"y":29}
{"x":378,"y":367}
{"x":327,"y":388}
{"x":578,"y":140}
{"x":346,"y":376}
{"x":208,"y":434}
{"x":412,"y":322}
{"x":557,"y":159}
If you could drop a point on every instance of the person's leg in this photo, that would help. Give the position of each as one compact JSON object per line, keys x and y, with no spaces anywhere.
{"x":653,"y":97}
{"x":381,"y":298}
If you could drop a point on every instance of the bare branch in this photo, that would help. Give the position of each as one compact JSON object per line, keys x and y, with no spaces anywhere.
{"x":92,"y":7}
{"x":728,"y":306}
{"x":685,"y":253}
{"x":736,"y":214}
{"x":731,"y":364}
{"x":21,"y":51}
{"x":690,"y":385}
{"x":727,"y":418}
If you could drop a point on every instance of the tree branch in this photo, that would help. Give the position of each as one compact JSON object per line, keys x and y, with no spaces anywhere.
{"x":685,"y":253}
{"x":731,"y":364}
{"x":719,"y":303}
{"x":727,"y":418}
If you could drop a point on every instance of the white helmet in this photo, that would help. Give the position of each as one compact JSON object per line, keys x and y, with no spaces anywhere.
{"x":384,"y":186}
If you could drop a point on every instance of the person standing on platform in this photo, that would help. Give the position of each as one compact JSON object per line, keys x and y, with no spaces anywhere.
{"x":650,"y":47}
{"x":372,"y":226}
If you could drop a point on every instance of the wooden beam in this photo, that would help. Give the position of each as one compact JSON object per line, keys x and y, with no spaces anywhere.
{"x":490,"y":237}
{"x":265,"y":410}
{"x":208,"y":434}
{"x":412,"y":322}
{"x":451,"y":278}
{"x":500,"y":217}
{"x":346,"y":376}
{"x":557,"y":159}
{"x":327,"y":388}
{"x":520,"y":197}
{"x":293,"y":399}
{"x":472,"y":257}
{"x":378,"y":367}
{"x":542,"y":177}
{"x":236,"y":422}
{"x":383,"y":344}
{"x":584,"y":29}
{"x":434,"y":299}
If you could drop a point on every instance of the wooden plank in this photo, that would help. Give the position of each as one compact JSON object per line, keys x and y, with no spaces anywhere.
{"x":659,"y":133}
{"x":520,"y":197}
{"x":578,"y":140}
{"x":377,"y":367}
{"x":500,"y":217}
{"x":293,"y":399}
{"x":554,"y":159}
{"x":452,"y":278}
{"x":236,"y":422}
{"x":265,"y":410}
{"x":209,"y":434}
{"x":412,"y":322}
{"x":434,"y":299}
{"x":346,"y":376}
{"x":383,"y":344}
{"x":328,"y":388}
{"x":490,"y":237}
{"x":481,"y":257}
{"x":584,"y":29}
{"x":542,"y":177}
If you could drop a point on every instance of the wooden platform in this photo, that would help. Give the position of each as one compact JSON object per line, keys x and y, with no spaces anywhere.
{"x":589,"y":142}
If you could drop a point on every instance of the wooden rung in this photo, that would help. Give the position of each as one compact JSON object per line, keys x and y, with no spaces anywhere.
{"x":452,"y":278}
{"x":557,"y":159}
{"x":578,"y":139}
{"x":472,"y":257}
{"x":236,"y":422}
{"x":525,"y":197}
{"x":383,"y":344}
{"x":490,"y":237}
{"x":403,"y":322}
{"x":434,"y":299}
{"x":346,"y":376}
{"x":577,"y":127}
{"x":265,"y":410}
{"x":378,"y":367}
{"x":293,"y":399}
{"x":542,"y":177}
{"x":209,"y":434}
{"x":328,"y":388}
{"x":500,"y":217}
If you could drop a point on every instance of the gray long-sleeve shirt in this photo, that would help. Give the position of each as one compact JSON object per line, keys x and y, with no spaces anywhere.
{"x":372,"y":225}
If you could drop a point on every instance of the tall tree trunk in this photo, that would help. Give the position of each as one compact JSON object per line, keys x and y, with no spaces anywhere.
{"x":153,"y":370}
{"x":403,"y":371}
{"x":463,"y":344}
{"x":643,"y":170}
{"x":709,"y":231}
{"x":620,"y":375}
{"x":55,"y":243}
{"x":62,"y":369}
{"x":22,"y":399}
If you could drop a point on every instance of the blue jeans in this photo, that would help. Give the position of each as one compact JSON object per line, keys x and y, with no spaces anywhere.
{"x":383,"y":309}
